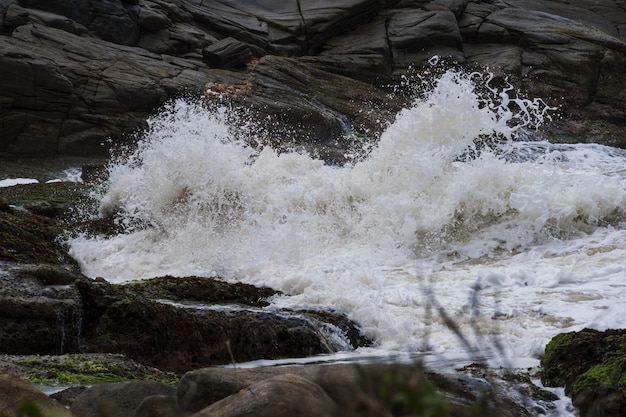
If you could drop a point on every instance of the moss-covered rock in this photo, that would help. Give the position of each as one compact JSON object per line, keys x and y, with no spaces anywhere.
{"x":591,"y":365}
{"x":84,"y":369}
{"x":602,"y":389}
{"x":201,"y":289}
{"x":27,"y":238}
{"x":58,"y":200}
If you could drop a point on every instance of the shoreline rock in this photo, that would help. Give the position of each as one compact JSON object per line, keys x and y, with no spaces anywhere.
{"x":173,"y":323}
{"x":330,"y":389}
{"x":591,"y":365}
{"x":79,"y":81}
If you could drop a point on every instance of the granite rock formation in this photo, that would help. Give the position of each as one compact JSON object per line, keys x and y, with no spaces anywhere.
{"x":77,"y":77}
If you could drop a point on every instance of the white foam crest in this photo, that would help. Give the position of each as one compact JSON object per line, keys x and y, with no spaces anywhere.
{"x":10,"y":182}
{"x":447,"y":202}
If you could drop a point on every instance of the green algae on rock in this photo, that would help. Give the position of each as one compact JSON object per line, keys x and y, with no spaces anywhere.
{"x":81,"y":369}
{"x":201,"y":289}
{"x":57,"y":200}
{"x":591,"y":365}
{"x":28,"y":238}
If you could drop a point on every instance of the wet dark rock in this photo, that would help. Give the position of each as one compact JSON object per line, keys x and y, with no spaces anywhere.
{"x":59,"y":200}
{"x":48,"y":307}
{"x":591,"y":365}
{"x":35,"y":317}
{"x":30,"y":239}
{"x":202,"y":290}
{"x":178,"y":339}
{"x":316,"y":111}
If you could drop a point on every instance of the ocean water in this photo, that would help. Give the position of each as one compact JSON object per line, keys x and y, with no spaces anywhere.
{"x":461,"y":234}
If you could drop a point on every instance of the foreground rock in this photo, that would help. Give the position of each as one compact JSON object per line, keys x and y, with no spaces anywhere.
{"x":117,"y":399}
{"x":15,"y":393}
{"x":71,"y":78}
{"x":591,"y":365}
{"x":329,"y":390}
{"x":309,"y":391}
{"x":281,"y":395}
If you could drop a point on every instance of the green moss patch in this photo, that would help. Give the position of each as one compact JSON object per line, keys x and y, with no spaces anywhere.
{"x":591,"y":365}
{"x":59,"y":200}
{"x":28,"y":238}
{"x":201,"y":289}
{"x":553,"y":374}
{"x":609,"y":375}
{"x":87,"y":370}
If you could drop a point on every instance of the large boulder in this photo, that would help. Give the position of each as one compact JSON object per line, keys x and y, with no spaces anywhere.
{"x":373,"y":389}
{"x":279,"y":396}
{"x":200,"y":388}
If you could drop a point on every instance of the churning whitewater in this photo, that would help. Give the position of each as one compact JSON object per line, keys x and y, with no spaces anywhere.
{"x":451,"y":217}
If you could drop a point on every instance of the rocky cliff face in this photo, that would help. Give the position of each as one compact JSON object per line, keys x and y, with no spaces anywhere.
{"x":79,"y":75}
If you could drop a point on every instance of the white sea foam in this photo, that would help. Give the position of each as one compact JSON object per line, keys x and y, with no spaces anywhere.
{"x":10,"y":182}
{"x":512,"y":243}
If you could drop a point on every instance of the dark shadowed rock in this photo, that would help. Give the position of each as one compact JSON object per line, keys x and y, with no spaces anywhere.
{"x":281,"y":395}
{"x":39,"y":310}
{"x":316,"y":110}
{"x":160,"y":406}
{"x":175,"y":338}
{"x":14,"y":392}
{"x":119,"y":399}
{"x":417,"y":35}
{"x":227,"y":53}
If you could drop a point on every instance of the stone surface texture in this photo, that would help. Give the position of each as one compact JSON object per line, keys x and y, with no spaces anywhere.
{"x":77,"y":77}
